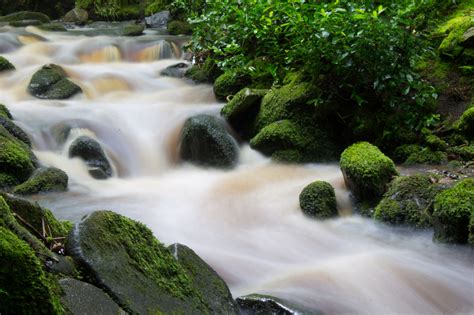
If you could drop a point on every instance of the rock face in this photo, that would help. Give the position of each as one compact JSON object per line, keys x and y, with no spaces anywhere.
{"x":92,"y":153}
{"x":50,"y":82}
{"x":257,"y":304}
{"x":409,"y":201}
{"x":209,"y":284}
{"x":158,"y":20}
{"x":175,"y":71}
{"x":5,"y":65}
{"x":43,"y":180}
{"x":123,"y":257}
{"x":205,"y":141}
{"x":230,"y":83}
{"x":83,"y":298}
{"x":367,"y":171}
{"x":453,"y":212}
{"x":319,"y":200}
{"x":76,"y":16}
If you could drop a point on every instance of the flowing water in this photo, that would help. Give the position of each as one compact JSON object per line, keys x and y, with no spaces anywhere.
{"x":246,"y":223}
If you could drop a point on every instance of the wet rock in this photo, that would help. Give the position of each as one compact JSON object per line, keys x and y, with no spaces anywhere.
{"x":205,"y":141}
{"x":133,"y":30}
{"x":83,"y":298}
{"x":50,"y":82}
{"x":76,"y":16}
{"x":158,"y":20}
{"x":92,"y":153}
{"x":43,"y":180}
{"x":318,"y":200}
{"x":123,"y":257}
{"x":24,"y":23}
{"x":230,"y":83}
{"x":14,"y":130}
{"x":175,"y":71}
{"x":257,"y":304}
{"x":4,"y":112}
{"x":209,"y":284}
{"x":5,"y":65}
{"x":25,"y":15}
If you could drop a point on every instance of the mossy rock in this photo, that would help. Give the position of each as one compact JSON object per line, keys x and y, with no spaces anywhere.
{"x":229,"y":83}
{"x":427,"y":157}
{"x":205,"y":141}
{"x":312,"y":144}
{"x":123,"y":257}
{"x":52,"y":27}
{"x":14,"y":130}
{"x":401,"y":153}
{"x":206,"y":72}
{"x":179,"y":28}
{"x":5,"y":65}
{"x":16,"y":158}
{"x":43,"y":180}
{"x":4,"y":112}
{"x":408,"y":201}
{"x":24,"y":23}
{"x":76,"y":16}
{"x":209,"y":284}
{"x":133,"y":30}
{"x":24,"y":286}
{"x":457,"y":36}
{"x":435,"y":143}
{"x":453,"y":210}
{"x":50,"y":82}
{"x":35,"y":215}
{"x":465,"y":124}
{"x":25,"y":15}
{"x":367,"y":171}
{"x":318,"y":200}
{"x":92,"y":153}
{"x":242,"y":110}
{"x":259,"y":304}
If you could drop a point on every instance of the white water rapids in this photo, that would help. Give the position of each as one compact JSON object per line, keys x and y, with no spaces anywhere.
{"x":246,"y":223}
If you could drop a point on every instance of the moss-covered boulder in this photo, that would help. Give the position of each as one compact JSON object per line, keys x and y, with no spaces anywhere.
{"x":14,"y":130}
{"x":206,"y":281}
{"x":16,"y":159}
{"x":25,"y":15}
{"x":122,"y":257}
{"x":175,"y":71}
{"x":133,"y":30}
{"x":92,"y":153}
{"x":4,"y":112}
{"x":465,"y":124}
{"x":229,"y":83}
{"x":51,"y":82}
{"x":242,"y":110}
{"x":76,"y":16}
{"x":205,"y":141}
{"x":260,"y":304}
{"x":5,"y":65}
{"x":43,"y":180}
{"x":408,"y":201}
{"x":179,"y":28}
{"x":427,"y":156}
{"x":318,"y":200}
{"x":401,"y":153}
{"x":52,"y":27}
{"x":458,"y":37}
{"x":452,"y":213}
{"x":367,"y":171}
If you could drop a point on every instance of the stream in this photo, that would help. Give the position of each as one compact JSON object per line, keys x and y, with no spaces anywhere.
{"x":246,"y":222}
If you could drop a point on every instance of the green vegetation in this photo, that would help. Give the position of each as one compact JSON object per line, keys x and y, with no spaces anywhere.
{"x":229,"y":83}
{"x":318,"y":200}
{"x":179,"y":28}
{"x":43,"y":180}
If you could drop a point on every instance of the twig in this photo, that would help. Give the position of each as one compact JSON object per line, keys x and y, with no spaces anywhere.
{"x":30,"y":226}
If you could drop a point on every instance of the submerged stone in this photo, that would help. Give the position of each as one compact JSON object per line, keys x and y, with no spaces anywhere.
{"x":175,"y":71}
{"x":43,"y":180}
{"x":123,"y":257}
{"x":258,"y":304}
{"x":92,"y":153}
{"x":318,"y":200}
{"x":50,"y":82}
{"x":205,"y":141}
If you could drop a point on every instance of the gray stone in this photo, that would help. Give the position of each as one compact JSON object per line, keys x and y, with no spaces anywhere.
{"x":76,"y":16}
{"x":175,"y":71}
{"x":158,"y":20}
{"x":92,"y":153}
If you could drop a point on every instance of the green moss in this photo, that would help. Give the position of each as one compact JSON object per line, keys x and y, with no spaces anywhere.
{"x":43,"y":180}
{"x":288,"y":156}
{"x":15,"y":157}
{"x":133,"y":30}
{"x":453,"y":209}
{"x":50,"y":82}
{"x":426,"y":156}
{"x":318,"y":200}
{"x":367,"y":171}
{"x":179,"y":28}
{"x":464,"y":153}
{"x":435,"y":143}
{"x":4,"y":112}
{"x":409,"y":201}
{"x":25,"y":15}
{"x":24,"y":286}
{"x":230,"y":83}
{"x":7,"y":181}
{"x":5,"y":65}
{"x":454,"y":29}
{"x":465,"y":124}
{"x":204,"y":73}
{"x":402,"y":153}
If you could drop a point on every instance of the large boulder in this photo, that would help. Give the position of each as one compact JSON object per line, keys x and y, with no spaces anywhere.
{"x":318,"y":200}
{"x":5,"y":65}
{"x":51,"y":82}
{"x":76,"y":16}
{"x":25,"y":287}
{"x":258,"y":304}
{"x":453,"y":210}
{"x":242,"y":110}
{"x":25,"y":15}
{"x":122,"y":257}
{"x":209,"y":284}
{"x":408,"y":201}
{"x":205,"y":141}
{"x":229,"y":83}
{"x":83,"y":298}
{"x":92,"y":153}
{"x":158,"y":20}
{"x":366,"y":171}
{"x":43,"y":180}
